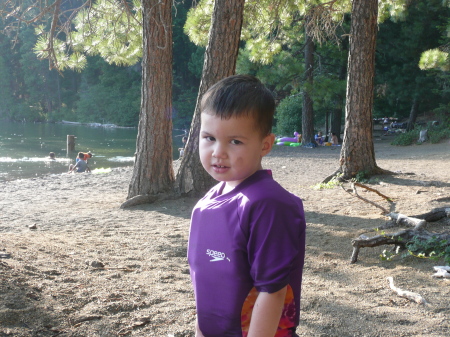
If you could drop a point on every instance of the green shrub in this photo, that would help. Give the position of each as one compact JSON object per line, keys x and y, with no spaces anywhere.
{"x":432,"y":248}
{"x":288,"y":116}
{"x":437,"y":133}
{"x":362,"y":176}
{"x":437,"y":136}
{"x":329,"y":185}
{"x":407,"y":138}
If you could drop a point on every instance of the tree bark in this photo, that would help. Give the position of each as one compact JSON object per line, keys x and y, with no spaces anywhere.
{"x":220,"y":62}
{"x":308,"y":109}
{"x":358,"y":154}
{"x":336,"y":115}
{"x":153,"y":172}
{"x":413,"y":114}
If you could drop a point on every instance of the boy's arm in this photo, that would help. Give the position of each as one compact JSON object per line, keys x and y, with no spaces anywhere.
{"x":198,"y":333}
{"x":266,"y":314}
{"x":74,"y":167}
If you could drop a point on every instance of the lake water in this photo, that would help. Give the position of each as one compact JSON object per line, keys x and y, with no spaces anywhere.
{"x":24,"y":148}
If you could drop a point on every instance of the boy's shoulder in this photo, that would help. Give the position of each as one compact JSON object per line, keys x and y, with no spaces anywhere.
{"x":265,"y":188}
{"x":260,"y":188}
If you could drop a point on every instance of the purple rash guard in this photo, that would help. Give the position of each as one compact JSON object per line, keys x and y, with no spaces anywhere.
{"x":248,"y":240}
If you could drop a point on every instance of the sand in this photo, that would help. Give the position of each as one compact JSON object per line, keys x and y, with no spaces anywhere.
{"x":90,"y":268}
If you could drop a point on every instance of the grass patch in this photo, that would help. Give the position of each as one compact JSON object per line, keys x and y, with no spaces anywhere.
{"x":329,"y":185}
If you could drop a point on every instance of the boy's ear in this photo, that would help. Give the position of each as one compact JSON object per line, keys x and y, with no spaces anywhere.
{"x":268,"y":142}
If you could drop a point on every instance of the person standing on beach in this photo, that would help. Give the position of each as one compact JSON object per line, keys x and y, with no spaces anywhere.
{"x":247,"y":237}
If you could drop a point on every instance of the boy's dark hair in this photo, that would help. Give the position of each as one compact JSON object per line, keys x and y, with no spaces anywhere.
{"x":81,"y":155}
{"x":238,"y":96}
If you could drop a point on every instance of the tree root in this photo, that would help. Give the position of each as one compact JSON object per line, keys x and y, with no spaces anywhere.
{"x":337,"y":174}
{"x":379,"y":171}
{"x":333,"y":175}
{"x":355,"y":194}
{"x":147,"y":199}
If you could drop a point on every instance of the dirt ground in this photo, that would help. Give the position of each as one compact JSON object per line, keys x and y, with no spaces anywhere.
{"x":92,"y":269}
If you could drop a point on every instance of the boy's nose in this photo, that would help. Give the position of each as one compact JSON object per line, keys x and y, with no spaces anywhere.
{"x":219,"y":151}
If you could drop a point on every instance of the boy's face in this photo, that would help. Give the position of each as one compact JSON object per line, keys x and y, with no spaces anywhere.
{"x":231,"y":150}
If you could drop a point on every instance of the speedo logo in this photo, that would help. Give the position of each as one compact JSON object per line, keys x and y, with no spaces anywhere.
{"x":217,"y":256}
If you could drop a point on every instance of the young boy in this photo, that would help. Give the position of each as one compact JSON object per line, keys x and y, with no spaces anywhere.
{"x":247,"y":237}
{"x":80,"y":165}
{"x":86,"y":156}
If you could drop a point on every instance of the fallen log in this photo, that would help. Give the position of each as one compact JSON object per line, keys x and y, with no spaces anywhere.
{"x":400,"y":238}
{"x":397,"y":219}
{"x":435,"y":214}
{"x":406,"y":221}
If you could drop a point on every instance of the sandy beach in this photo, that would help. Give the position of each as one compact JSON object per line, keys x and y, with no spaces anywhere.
{"x":72,"y":263}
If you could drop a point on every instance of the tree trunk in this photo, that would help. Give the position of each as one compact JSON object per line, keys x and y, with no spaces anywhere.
{"x":336,"y":115}
{"x":413,"y":114}
{"x":308,"y":110}
{"x":220,"y":62}
{"x":357,"y":154}
{"x":153,"y":172}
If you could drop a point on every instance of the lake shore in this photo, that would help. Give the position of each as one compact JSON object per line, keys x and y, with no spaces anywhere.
{"x":74,"y":264}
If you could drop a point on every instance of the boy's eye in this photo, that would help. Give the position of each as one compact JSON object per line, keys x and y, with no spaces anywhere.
{"x":236,"y":142}
{"x":210,"y":139}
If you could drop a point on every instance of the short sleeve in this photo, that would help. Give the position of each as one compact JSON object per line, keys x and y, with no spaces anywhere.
{"x":274,"y":245}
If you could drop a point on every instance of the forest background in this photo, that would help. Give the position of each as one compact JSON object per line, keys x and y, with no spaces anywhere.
{"x":107,"y":93}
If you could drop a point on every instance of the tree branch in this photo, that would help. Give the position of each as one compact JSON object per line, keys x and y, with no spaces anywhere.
{"x":355,"y":194}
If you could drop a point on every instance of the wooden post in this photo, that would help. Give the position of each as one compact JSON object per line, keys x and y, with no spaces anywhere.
{"x":70,"y":143}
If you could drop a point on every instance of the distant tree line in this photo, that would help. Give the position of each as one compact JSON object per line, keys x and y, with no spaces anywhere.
{"x":102,"y":92}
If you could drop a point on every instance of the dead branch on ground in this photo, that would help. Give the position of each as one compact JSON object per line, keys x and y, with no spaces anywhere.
{"x":441,"y":271}
{"x":355,"y":194}
{"x":400,"y":238}
{"x":406,"y":294}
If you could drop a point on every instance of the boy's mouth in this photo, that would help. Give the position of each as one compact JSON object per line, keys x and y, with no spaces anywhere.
{"x":220,"y":168}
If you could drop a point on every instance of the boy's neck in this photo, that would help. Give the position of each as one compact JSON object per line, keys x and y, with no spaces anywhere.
{"x":227,"y":188}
